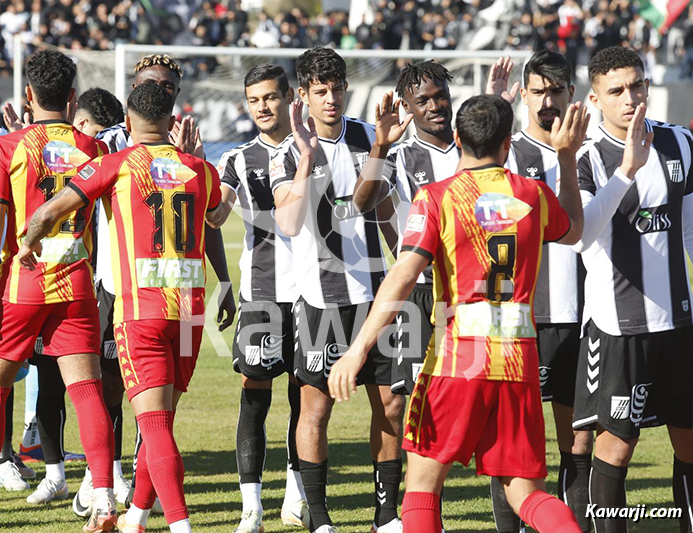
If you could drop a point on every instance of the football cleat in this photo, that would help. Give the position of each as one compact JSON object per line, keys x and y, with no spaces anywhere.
{"x":48,"y":490}
{"x":121,"y":488}
{"x":394,"y":526}
{"x":24,"y":470}
{"x":10,"y":478}
{"x":102,"y":519}
{"x":156,"y":508}
{"x":326,"y":529}
{"x":251,"y":522}
{"x":296,"y":514}
{"x":81,"y":503}
{"x":124,"y":527}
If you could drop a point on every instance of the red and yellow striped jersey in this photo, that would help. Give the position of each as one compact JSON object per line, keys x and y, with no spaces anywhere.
{"x":35,"y":164}
{"x":155,"y":197}
{"x":484,"y":229}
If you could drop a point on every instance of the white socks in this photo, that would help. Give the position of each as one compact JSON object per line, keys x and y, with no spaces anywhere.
{"x":117,"y":469}
{"x":102,"y":496}
{"x":137,"y":516}
{"x":56,"y":472}
{"x":182,"y":526}
{"x":250,"y":492}
{"x":294,"y":487}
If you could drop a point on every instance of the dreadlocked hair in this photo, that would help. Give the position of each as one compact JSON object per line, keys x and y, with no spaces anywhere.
{"x":163,"y":60}
{"x":413,"y":74}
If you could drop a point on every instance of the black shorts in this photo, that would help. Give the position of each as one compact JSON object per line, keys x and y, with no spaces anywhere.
{"x":263,"y":345}
{"x":559,"y":350}
{"x":414,"y":330}
{"x":318,"y":347}
{"x":109,"y":359}
{"x":634,"y":381}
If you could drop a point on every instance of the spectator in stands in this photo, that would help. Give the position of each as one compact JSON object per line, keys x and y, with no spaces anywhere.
{"x":687,"y":66}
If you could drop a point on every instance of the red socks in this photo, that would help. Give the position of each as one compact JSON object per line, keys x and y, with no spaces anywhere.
{"x":95,"y":430}
{"x":547,"y":514}
{"x":144,"y":489}
{"x":166,"y":465}
{"x":421,"y":512}
{"x":4,"y":393}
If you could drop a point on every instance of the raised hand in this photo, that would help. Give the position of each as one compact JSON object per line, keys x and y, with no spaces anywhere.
{"x":186,"y":136}
{"x":306,"y":138}
{"x":638,"y":143}
{"x":567,"y":135}
{"x":12,"y":121}
{"x":388,"y":128}
{"x":498,"y":78}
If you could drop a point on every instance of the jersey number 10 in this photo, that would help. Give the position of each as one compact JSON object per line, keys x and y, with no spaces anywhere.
{"x":183,"y":204}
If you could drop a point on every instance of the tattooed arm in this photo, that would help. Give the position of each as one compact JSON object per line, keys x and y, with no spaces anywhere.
{"x":43,"y":221}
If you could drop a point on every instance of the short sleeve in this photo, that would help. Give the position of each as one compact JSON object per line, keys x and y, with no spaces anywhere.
{"x":227,"y":171}
{"x":282,"y":165}
{"x":557,"y":220}
{"x":688,"y":140}
{"x":215,"y":192}
{"x":585,"y":174}
{"x":422,"y":231}
{"x":92,"y":180}
{"x":390,"y":168}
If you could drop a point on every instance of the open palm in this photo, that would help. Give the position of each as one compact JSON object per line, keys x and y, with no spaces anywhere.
{"x":388,"y":128}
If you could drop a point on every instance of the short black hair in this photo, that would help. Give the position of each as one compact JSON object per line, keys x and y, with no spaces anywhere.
{"x":50,"y":76}
{"x":483,"y":122}
{"x":151,"y":102}
{"x":549,"y":65}
{"x":265,"y":72}
{"x":320,"y":64}
{"x":103,"y":107}
{"x":612,"y":58}
{"x":414,"y":74}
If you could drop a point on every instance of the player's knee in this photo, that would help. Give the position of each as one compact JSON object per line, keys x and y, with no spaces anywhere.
{"x":614,"y":450}
{"x":582,"y":443}
{"x":315,"y":416}
{"x":394,"y":409}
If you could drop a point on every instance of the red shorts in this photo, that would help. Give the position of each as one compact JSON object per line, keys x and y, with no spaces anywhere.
{"x":153,"y":353}
{"x":67,"y":328}
{"x":501,"y":423}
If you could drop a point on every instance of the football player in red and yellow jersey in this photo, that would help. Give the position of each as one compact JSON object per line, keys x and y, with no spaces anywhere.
{"x":55,"y":300}
{"x":157,"y":201}
{"x":478,"y":393}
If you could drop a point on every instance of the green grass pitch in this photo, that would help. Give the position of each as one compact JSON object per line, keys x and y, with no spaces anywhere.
{"x":205,"y":432}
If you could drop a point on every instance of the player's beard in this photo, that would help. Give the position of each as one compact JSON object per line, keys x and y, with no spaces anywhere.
{"x":272,"y":129}
{"x":546,"y":125}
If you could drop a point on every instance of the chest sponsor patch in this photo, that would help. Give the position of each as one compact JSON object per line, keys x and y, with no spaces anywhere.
{"x":169,"y":174}
{"x":170,"y":273}
{"x":61,"y":157}
{"x":63,"y":250}
{"x":497,"y":212}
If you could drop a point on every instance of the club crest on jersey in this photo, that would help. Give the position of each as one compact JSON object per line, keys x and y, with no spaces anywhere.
{"x":252,"y":355}
{"x":421,"y":177}
{"x":652,"y":219}
{"x":639,"y":396}
{"x":315,"y":361}
{"x":674,"y":168}
{"x":333,"y":352}
{"x":277,"y":169}
{"x":169,"y":174}
{"x":496,"y":212}
{"x":87,"y":172}
{"x":61,"y":157}
{"x":361,"y":159}
{"x":620,"y":407}
{"x":271,"y":350}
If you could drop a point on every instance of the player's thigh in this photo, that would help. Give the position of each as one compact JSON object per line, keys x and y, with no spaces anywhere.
{"x":570,"y":440}
{"x":185,"y":349}
{"x":158,"y":398}
{"x":257,"y":384}
{"x":72,"y":328}
{"x":425,"y":474}
{"x":613,"y":449}
{"x":8,"y":371}
{"x":20,"y":326}
{"x":682,"y":442}
{"x":79,"y":367}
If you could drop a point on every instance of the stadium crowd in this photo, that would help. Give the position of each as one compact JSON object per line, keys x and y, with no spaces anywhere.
{"x":567,"y":26}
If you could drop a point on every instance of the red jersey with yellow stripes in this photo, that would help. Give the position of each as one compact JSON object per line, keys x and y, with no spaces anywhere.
{"x":484,"y":229}
{"x":156,"y":198}
{"x":35,"y":164}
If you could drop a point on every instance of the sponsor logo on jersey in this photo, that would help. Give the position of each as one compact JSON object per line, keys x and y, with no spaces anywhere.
{"x":420,"y":177}
{"x":532,"y":172}
{"x":315,"y":361}
{"x":674,"y":168}
{"x":271,"y":350}
{"x":501,"y":320}
{"x":652,"y":220}
{"x":87,"y":172}
{"x":318,"y":172}
{"x":345,"y":208}
{"x":259,"y":172}
{"x":62,"y":249}
{"x":416,"y":223}
{"x":620,"y":407}
{"x":169,"y":174}
{"x":170,"y":273}
{"x":496,"y":212}
{"x":277,"y":169}
{"x":62,"y":157}
{"x":252,"y":355}
{"x":639,"y":396}
{"x":333,"y":352}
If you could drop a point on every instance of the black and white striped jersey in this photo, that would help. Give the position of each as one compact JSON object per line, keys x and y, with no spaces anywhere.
{"x":339,"y":259}
{"x":559,"y":296}
{"x":117,"y":138}
{"x":636,"y":232}
{"x":266,"y":260}
{"x":411,"y":165}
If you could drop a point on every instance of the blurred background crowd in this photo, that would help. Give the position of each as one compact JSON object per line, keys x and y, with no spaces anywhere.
{"x":576,"y":28}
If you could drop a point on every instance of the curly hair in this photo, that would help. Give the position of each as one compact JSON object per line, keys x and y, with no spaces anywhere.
{"x":50,"y":76}
{"x":103,"y":107}
{"x":150,"y":102}
{"x":612,"y":58}
{"x":413,"y":74}
{"x":153,"y":60}
{"x":320,"y":64}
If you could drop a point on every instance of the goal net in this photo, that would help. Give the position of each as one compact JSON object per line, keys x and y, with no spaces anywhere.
{"x":212,"y":86}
